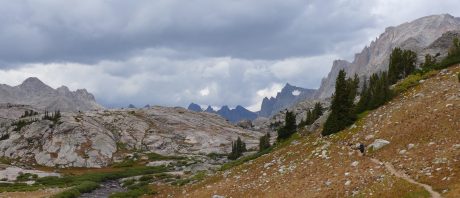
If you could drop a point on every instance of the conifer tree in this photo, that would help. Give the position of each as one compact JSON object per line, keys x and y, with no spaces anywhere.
{"x":317,"y":111}
{"x":342,"y":108}
{"x":364,"y":98}
{"x":402,"y":64}
{"x":238,"y":147}
{"x":264,"y":142}
{"x":289,"y":127}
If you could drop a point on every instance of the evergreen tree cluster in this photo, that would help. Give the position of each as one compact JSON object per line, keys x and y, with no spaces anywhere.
{"x":374,"y":94}
{"x":312,"y":115}
{"x":18,"y":125}
{"x":264,"y":142}
{"x":402,"y":63}
{"x":289,"y":128}
{"x":53,"y":116}
{"x":238,"y":147}
{"x":342,"y":105}
{"x":29,"y":113}
{"x":430,"y":62}
{"x":454,"y":50}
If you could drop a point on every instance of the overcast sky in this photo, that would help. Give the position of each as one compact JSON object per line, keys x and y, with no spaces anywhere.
{"x":171,"y":52}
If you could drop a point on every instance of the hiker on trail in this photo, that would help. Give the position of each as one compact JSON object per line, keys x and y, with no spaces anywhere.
{"x":362,"y":148}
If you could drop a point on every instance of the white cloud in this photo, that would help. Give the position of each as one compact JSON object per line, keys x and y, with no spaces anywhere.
{"x":262,"y":93}
{"x":204,"y":92}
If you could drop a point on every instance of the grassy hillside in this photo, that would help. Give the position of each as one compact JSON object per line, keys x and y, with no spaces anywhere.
{"x":422,"y":125}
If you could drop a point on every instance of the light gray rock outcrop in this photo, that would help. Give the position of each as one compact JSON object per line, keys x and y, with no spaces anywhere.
{"x":93,"y":138}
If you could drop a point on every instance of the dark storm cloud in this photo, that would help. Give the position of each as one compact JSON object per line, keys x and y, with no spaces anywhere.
{"x":91,"y":30}
{"x":171,"y":52}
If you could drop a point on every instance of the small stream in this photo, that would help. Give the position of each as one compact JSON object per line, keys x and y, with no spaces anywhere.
{"x":106,"y":189}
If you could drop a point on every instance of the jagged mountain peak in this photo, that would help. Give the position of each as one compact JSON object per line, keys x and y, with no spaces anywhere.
{"x":210,"y":109}
{"x":288,"y":96}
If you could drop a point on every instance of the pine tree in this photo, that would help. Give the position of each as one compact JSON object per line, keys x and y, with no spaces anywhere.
{"x":429,"y":64}
{"x":264,"y":142}
{"x":363,"y":103}
{"x":317,"y":111}
{"x":289,"y":127}
{"x":309,"y":117}
{"x":238,"y":147}
{"x":454,"y":50}
{"x":402,"y":64}
{"x":342,"y":108}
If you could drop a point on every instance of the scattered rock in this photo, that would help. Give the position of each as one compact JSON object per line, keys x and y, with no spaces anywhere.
{"x":160,"y":163}
{"x":410,"y":146}
{"x":355,"y":164}
{"x":369,"y":137}
{"x":456,"y":146}
{"x":347,"y":183}
{"x":419,"y":95}
{"x":378,"y":144}
{"x":218,"y":196}
{"x":402,"y":152}
{"x":444,"y":71}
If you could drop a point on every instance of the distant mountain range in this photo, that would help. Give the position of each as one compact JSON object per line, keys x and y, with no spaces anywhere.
{"x":232,"y":115}
{"x":288,"y":96}
{"x":39,"y":95}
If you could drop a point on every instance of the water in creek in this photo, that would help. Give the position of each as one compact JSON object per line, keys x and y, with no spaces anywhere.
{"x":106,"y":189}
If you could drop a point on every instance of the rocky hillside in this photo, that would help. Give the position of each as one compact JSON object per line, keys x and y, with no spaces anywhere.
{"x":35,"y":93}
{"x":418,"y":35}
{"x":413,"y":150}
{"x":98,"y":138}
{"x":288,"y":96}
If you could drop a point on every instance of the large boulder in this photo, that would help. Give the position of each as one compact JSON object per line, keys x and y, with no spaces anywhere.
{"x":378,"y":144}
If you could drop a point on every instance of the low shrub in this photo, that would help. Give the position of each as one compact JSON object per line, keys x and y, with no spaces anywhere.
{"x":71,"y":193}
{"x":26,"y":177}
{"x":408,"y":82}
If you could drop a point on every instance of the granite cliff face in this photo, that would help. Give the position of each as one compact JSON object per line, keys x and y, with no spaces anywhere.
{"x":288,"y":96}
{"x":417,"y":35}
{"x":98,"y":138}
{"x":39,"y":95}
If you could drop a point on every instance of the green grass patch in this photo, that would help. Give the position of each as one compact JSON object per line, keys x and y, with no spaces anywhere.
{"x":199,"y":176}
{"x":125,"y":163}
{"x":447,"y":62}
{"x":134,"y":193}
{"x":158,"y":157}
{"x":410,"y":81}
{"x":18,"y":187}
{"x":84,"y":187}
{"x":216,"y":156}
{"x":26,"y":177}
{"x":137,"y":188}
{"x":76,"y":181}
